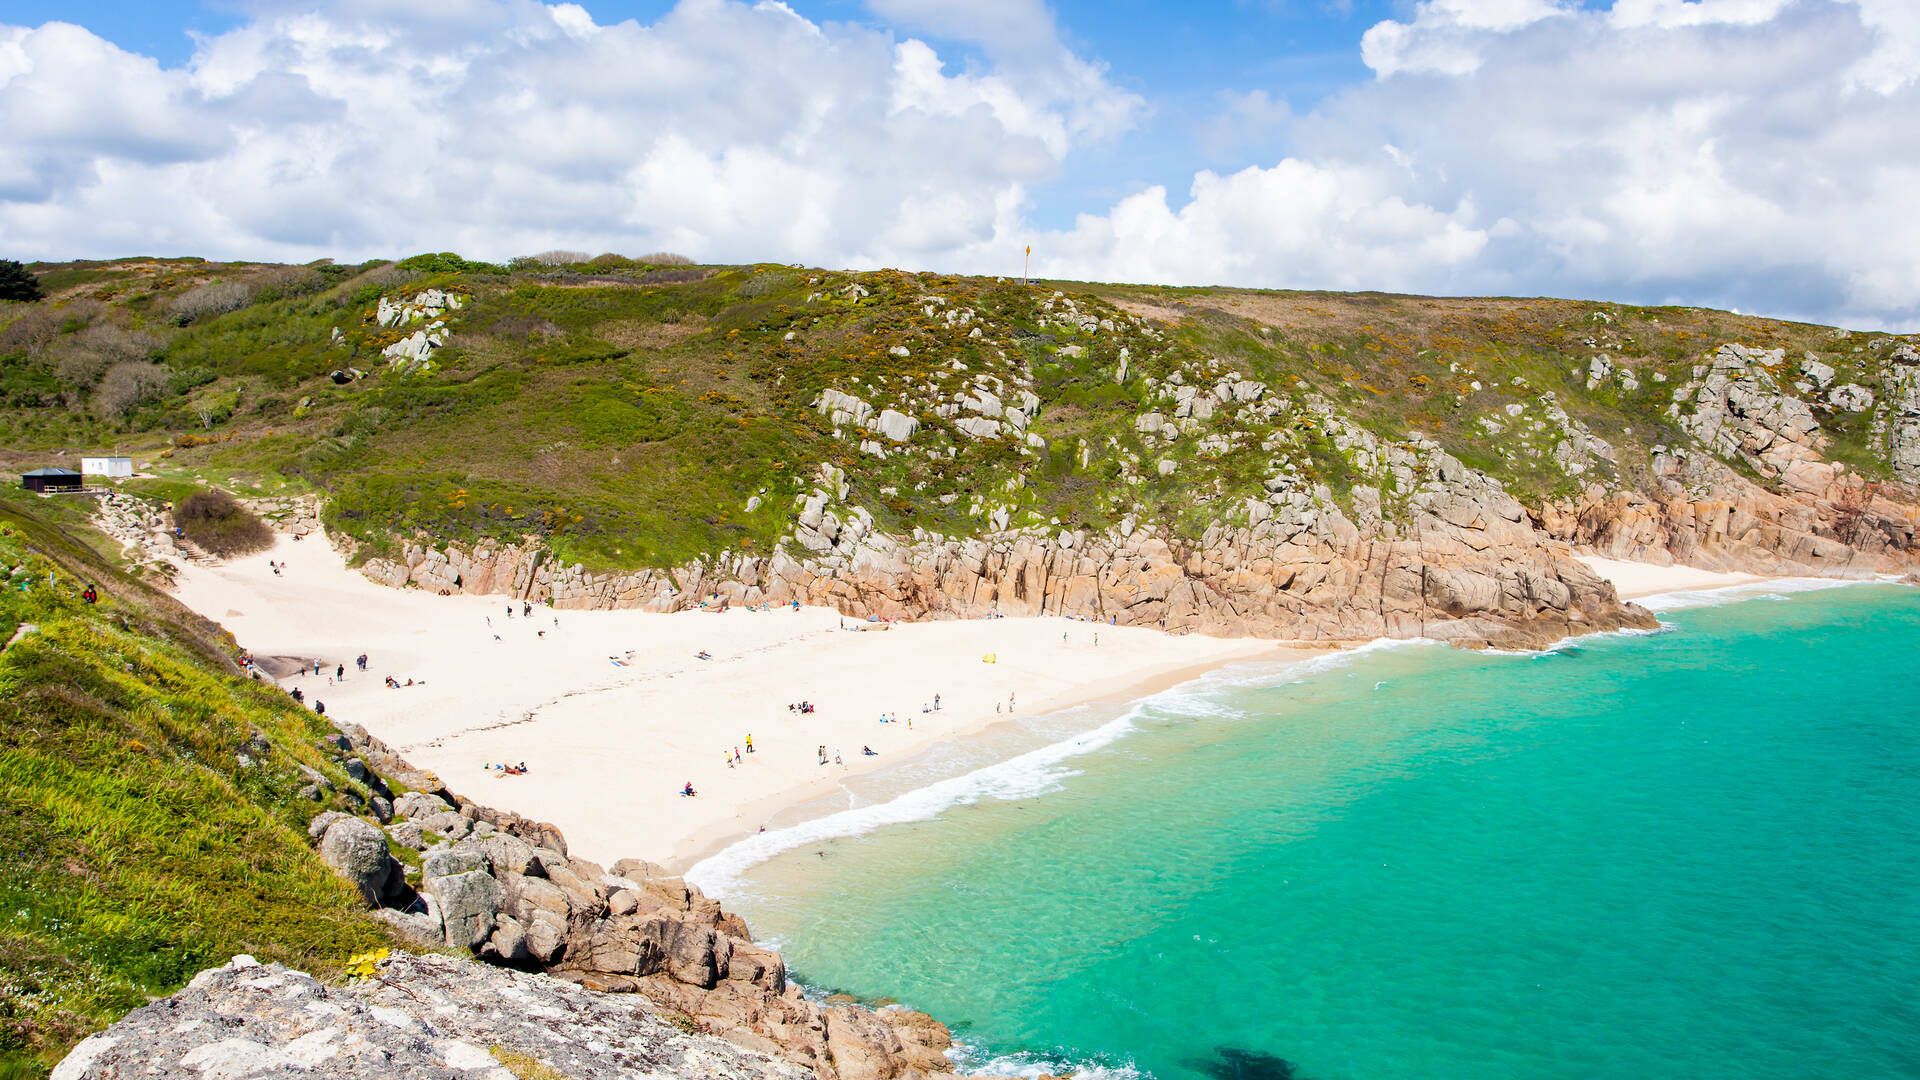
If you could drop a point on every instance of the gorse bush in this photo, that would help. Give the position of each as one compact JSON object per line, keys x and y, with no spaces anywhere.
{"x":213,"y":298}
{"x":218,"y":523}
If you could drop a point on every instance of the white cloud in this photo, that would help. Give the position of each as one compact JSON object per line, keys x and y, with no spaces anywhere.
{"x":729,"y":130}
{"x":1753,"y":153}
{"x":1750,"y":153}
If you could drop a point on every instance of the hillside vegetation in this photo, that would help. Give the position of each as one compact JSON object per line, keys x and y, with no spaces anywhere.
{"x":151,"y":802}
{"x":645,"y":414}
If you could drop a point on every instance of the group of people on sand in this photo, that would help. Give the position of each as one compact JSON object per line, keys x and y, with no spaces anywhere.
{"x":800,"y":707}
{"x":277,"y":567}
{"x":396,"y":684}
{"x":733,"y":756}
{"x":500,"y":769}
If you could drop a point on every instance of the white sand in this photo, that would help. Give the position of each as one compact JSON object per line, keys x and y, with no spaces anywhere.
{"x":1633,"y":580}
{"x":608,"y":747}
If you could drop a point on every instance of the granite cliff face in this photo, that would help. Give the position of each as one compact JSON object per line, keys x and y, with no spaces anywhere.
{"x":1417,"y":545}
{"x":504,"y":889}
{"x":1455,"y":558}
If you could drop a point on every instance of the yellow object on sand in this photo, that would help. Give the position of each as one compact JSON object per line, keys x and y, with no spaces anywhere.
{"x":990,"y":658}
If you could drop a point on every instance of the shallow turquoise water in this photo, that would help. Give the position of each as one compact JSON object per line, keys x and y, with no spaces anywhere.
{"x":1693,"y":854}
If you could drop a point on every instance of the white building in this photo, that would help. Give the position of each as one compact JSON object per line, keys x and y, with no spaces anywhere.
{"x":115,"y":467}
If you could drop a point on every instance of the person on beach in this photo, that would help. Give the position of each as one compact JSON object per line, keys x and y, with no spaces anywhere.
{"x":320,"y":707}
{"x":339,"y":671}
{"x":823,"y":753}
{"x":836,"y":758}
{"x":299,"y":696}
{"x":1009,"y":703}
{"x":749,"y":742}
{"x":509,"y":611}
{"x":688,"y":792}
{"x":936,"y":703}
{"x":727,"y":757}
{"x":362,"y":662}
{"x":867,"y":751}
{"x":526,"y":610}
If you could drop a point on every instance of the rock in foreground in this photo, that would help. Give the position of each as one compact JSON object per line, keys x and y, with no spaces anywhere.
{"x":419,"y":1017}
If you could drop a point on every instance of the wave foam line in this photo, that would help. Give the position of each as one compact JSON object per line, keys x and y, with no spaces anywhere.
{"x":1035,"y":772}
{"x":1752,"y":590}
{"x":1034,"y":1066}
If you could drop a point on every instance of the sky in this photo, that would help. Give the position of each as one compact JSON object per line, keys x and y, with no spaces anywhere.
{"x":1759,"y":155}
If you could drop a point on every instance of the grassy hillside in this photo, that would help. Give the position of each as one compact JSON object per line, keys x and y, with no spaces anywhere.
{"x":644,"y":415}
{"x":149,"y":802}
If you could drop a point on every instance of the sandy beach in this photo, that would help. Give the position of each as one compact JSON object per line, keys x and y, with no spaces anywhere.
{"x":613,"y":712}
{"x":1633,"y":580}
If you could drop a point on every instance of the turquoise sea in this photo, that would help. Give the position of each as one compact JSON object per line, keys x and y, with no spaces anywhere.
{"x":1692,"y":854}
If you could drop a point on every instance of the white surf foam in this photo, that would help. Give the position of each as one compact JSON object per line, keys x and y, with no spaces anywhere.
{"x":1035,"y":772}
{"x":1753,"y":590}
{"x":1033,"y":1066}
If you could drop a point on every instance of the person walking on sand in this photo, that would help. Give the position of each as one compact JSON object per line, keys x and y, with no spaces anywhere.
{"x":339,"y":671}
{"x":936,"y":703}
{"x":1009,"y":703}
{"x":749,"y":742}
{"x":726,"y":757}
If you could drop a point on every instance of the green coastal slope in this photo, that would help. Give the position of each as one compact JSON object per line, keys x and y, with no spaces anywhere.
{"x":151,"y":808}
{"x":634,"y":416}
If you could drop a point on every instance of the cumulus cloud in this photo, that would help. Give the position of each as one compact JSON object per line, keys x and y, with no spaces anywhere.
{"x":730,"y":130}
{"x":1758,"y":154}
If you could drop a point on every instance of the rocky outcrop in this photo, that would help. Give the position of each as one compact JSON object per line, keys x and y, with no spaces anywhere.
{"x":1903,"y":403}
{"x":505,"y":889}
{"x":420,"y":1017}
{"x":1417,"y":544}
{"x":1463,"y":563}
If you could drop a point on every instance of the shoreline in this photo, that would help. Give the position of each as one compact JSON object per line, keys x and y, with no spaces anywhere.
{"x":614,"y":711}
{"x":1674,"y":588}
{"x":718,"y":838}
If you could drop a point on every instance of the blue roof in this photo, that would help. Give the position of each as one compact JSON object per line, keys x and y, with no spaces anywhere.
{"x":50,"y":472}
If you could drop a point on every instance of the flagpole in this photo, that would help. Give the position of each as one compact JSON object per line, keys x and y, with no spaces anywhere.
{"x":1026,"y":265}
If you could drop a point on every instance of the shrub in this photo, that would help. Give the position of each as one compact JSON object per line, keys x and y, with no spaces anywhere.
{"x":18,"y":283}
{"x":213,"y":298}
{"x":80,"y":359}
{"x":448,"y":262}
{"x":219,"y":524}
{"x":286,"y":282}
{"x":663,"y":258}
{"x":554,"y":258}
{"x":126,"y":386}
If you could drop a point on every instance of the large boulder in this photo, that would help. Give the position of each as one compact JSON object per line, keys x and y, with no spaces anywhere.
{"x":469,"y":904}
{"x":357,"y":851}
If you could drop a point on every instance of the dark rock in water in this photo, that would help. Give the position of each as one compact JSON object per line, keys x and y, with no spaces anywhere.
{"x":1233,"y":1063}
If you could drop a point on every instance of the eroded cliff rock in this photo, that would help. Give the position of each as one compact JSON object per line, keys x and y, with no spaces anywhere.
{"x":419,"y":1017}
{"x":504,"y":888}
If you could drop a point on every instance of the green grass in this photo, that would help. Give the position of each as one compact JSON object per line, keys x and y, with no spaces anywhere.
{"x":625,"y":418}
{"x":139,"y":848}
